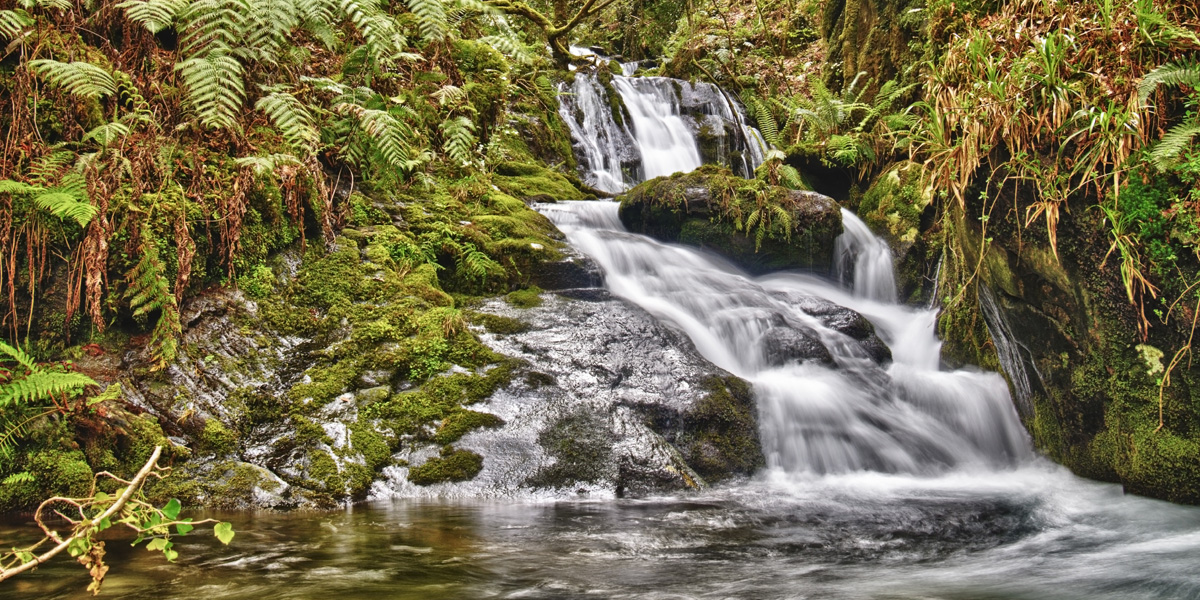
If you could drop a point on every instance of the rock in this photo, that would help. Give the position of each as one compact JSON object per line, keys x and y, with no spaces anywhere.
{"x":784,"y":343}
{"x":610,"y":402}
{"x":700,"y":208}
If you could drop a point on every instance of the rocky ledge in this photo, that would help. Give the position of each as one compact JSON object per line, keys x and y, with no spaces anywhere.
{"x":760,"y":227}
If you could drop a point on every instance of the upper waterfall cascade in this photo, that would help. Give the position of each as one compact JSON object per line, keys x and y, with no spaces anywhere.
{"x":853,"y":415}
{"x":660,"y":126}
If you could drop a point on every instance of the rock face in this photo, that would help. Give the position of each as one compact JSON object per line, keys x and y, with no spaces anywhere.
{"x":607,"y":402}
{"x":582,"y":393}
{"x":708,"y":208}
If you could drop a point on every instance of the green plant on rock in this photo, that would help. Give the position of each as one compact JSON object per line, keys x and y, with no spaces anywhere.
{"x":1167,"y":152}
{"x":148,"y":291}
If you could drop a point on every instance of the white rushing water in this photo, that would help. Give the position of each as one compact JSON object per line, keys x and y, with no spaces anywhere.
{"x":658,"y":131}
{"x":852,"y":415}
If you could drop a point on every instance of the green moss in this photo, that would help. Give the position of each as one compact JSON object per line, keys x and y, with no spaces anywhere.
{"x":530,"y":297}
{"x":65,"y":473}
{"x":452,"y":465}
{"x":217,"y":439}
{"x":723,"y":439}
{"x":581,"y":444}
{"x":459,"y":422}
{"x":525,"y":180}
{"x":376,"y":451}
{"x":499,"y":324}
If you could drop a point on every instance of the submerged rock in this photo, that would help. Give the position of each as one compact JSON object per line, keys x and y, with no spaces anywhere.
{"x":710,"y":208}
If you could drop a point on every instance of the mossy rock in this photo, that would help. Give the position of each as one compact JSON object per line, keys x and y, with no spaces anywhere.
{"x":707,"y":208}
{"x":527,"y":180}
{"x":452,"y":465}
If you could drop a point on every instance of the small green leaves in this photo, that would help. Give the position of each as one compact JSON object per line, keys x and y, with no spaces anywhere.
{"x":224,"y":532}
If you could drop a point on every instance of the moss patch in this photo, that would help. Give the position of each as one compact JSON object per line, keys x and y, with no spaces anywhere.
{"x":452,"y":465}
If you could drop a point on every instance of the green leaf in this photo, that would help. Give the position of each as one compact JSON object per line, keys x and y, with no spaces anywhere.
{"x":157,"y":544}
{"x":224,"y":532}
{"x":101,"y":497}
{"x":170,"y":554}
{"x":184,"y":527}
{"x":104,"y":523}
{"x":78,"y":547}
{"x":171,"y":510}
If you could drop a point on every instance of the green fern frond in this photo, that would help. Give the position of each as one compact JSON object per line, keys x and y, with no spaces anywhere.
{"x":317,"y":11}
{"x":13,"y":22}
{"x":390,"y":134}
{"x":267,"y":163}
{"x":40,"y":385}
{"x":79,"y":78}
{"x":17,"y":188}
{"x":383,"y":36}
{"x":431,"y":18}
{"x":47,"y":169}
{"x":66,"y":206}
{"x":267,"y":25}
{"x":1166,"y":152}
{"x":18,"y":356}
{"x":215,"y":88}
{"x":473,"y":264}
{"x":449,"y":95}
{"x":459,"y":134}
{"x":1172,"y":74}
{"x":509,"y":46}
{"x":149,"y":291}
{"x":213,"y":26}
{"x":64,"y":5}
{"x":791,"y":178}
{"x":293,"y":120}
{"x":154,"y":15}
{"x":107,"y":133}
{"x":18,"y":478}
{"x":767,"y":125}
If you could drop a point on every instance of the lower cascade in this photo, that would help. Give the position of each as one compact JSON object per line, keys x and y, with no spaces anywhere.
{"x":826,"y":404}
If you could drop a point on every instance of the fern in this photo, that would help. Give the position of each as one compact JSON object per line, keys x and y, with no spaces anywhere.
{"x":215,"y":88}
{"x":68,"y":200}
{"x":473,"y":264}
{"x":18,"y":478}
{"x":459,"y":134}
{"x":13,"y":22}
{"x":48,"y":4}
{"x":107,"y":133}
{"x":79,"y":78}
{"x":293,"y":120}
{"x":154,"y":15}
{"x":390,"y":135}
{"x":767,"y":125}
{"x":34,"y":383}
{"x":449,"y":95}
{"x":149,"y":291}
{"x":1171,"y":74}
{"x":1166,"y":152}
{"x":383,"y":37}
{"x":267,"y":163}
{"x":431,"y":18}
{"x":213,"y":26}
{"x":509,"y":46}
{"x":16,"y":355}
{"x":41,"y":384}
{"x":66,"y":206}
{"x":267,"y":25}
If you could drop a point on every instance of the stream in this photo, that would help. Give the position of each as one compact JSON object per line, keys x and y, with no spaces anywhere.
{"x":885,"y":478}
{"x":897,"y":482}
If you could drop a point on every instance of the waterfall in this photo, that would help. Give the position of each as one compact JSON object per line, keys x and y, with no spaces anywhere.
{"x":824,"y":405}
{"x":865,"y":258}
{"x":660,"y":126}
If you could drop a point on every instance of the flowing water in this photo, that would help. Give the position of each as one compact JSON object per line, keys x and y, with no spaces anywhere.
{"x":896,"y":482}
{"x":660,"y":126}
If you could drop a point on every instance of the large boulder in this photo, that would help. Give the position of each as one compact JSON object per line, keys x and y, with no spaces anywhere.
{"x":760,"y":227}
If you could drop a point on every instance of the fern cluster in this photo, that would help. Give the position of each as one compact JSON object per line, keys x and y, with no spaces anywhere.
{"x":67,"y":200}
{"x":149,"y":291}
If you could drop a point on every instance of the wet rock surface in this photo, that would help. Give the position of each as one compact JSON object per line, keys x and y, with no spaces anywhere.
{"x":608,"y":402}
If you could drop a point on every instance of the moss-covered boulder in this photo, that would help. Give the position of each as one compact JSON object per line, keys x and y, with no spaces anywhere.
{"x":758,"y":226}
